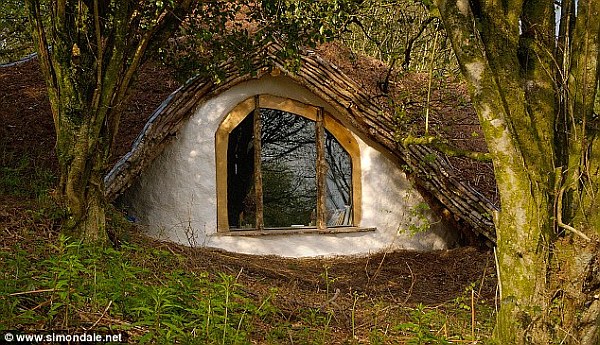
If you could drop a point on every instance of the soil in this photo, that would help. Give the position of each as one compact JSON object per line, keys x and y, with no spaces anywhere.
{"x":25,"y":120}
{"x":405,"y":278}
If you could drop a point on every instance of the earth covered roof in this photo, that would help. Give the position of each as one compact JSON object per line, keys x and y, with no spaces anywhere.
{"x":361,"y":106}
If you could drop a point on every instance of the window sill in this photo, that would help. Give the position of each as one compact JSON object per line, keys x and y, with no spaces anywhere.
{"x":295,"y":231}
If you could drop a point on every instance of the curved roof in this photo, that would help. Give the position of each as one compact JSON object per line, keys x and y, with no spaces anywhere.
{"x":427,"y":168}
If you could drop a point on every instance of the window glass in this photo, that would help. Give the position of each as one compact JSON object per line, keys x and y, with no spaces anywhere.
{"x":241,"y":200}
{"x":339,"y":182}
{"x":288,"y":159}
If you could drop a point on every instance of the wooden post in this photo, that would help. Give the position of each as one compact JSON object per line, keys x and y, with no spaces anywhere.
{"x":258,"y":182}
{"x":321,"y":170}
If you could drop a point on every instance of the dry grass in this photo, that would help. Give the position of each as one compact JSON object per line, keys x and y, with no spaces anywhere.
{"x":397,"y":297}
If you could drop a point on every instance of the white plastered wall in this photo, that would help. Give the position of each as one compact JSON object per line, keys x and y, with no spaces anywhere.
{"x":175,"y":198}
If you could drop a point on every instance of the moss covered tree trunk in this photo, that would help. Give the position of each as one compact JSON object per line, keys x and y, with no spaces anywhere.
{"x":89,"y":51}
{"x":534,"y":96}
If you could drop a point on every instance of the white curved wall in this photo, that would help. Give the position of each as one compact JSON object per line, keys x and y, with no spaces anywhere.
{"x":176,"y":196}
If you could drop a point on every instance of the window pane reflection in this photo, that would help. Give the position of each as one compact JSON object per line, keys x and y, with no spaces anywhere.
{"x":339,"y":183}
{"x":288,"y":166}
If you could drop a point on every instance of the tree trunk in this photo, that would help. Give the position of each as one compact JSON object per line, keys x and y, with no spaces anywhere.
{"x":577,"y":266}
{"x":82,"y":187}
{"x":97,"y":47}
{"x":543,"y":137}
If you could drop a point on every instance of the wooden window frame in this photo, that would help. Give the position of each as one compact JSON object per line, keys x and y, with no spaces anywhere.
{"x":323,"y":121}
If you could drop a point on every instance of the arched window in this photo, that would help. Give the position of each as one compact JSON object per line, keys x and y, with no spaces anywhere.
{"x":282,"y":164}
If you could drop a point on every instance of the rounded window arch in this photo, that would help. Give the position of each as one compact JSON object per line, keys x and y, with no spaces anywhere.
{"x":283,"y":164}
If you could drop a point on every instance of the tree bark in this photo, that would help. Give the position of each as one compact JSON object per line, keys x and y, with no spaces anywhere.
{"x":547,"y":269}
{"x":579,"y":257}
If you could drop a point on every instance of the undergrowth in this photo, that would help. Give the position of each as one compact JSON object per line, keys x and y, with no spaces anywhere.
{"x":153,"y":294}
{"x":23,"y":176}
{"x":77,"y":286}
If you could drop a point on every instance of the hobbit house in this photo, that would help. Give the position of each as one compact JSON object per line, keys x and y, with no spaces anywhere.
{"x":293,"y":163}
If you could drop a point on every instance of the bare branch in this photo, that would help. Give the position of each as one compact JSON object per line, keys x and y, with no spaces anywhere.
{"x":411,"y":42}
{"x":99,"y":57}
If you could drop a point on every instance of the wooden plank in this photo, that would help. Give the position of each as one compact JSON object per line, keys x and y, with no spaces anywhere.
{"x":321,"y":167}
{"x":297,"y":231}
{"x":258,"y":181}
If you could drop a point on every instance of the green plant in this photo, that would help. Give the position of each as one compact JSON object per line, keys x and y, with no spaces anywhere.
{"x":67,"y":271}
{"x":328,"y":280}
{"x":355,"y":297}
{"x":15,"y":277}
{"x":313,"y":326}
{"x":419,"y":328}
{"x":23,"y":176}
{"x":418,"y":221}
{"x":471,"y":315}
{"x":144,"y":288}
{"x":463,"y":301}
{"x":160,"y":314}
{"x":377,"y":337}
{"x":217,"y":311}
{"x":326,"y":327}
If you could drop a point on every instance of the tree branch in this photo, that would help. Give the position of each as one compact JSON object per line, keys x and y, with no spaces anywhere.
{"x":42,"y":48}
{"x":99,"y":57}
{"x":412,"y":40}
{"x":558,"y":205}
{"x":445,"y":148}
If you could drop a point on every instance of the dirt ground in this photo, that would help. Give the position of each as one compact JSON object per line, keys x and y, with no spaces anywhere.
{"x":372,"y":292}
{"x":404,"y":277}
{"x":26,"y":126}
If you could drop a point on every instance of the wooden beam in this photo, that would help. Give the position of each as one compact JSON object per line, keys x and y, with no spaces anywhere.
{"x":321,"y":170}
{"x":258,"y":182}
